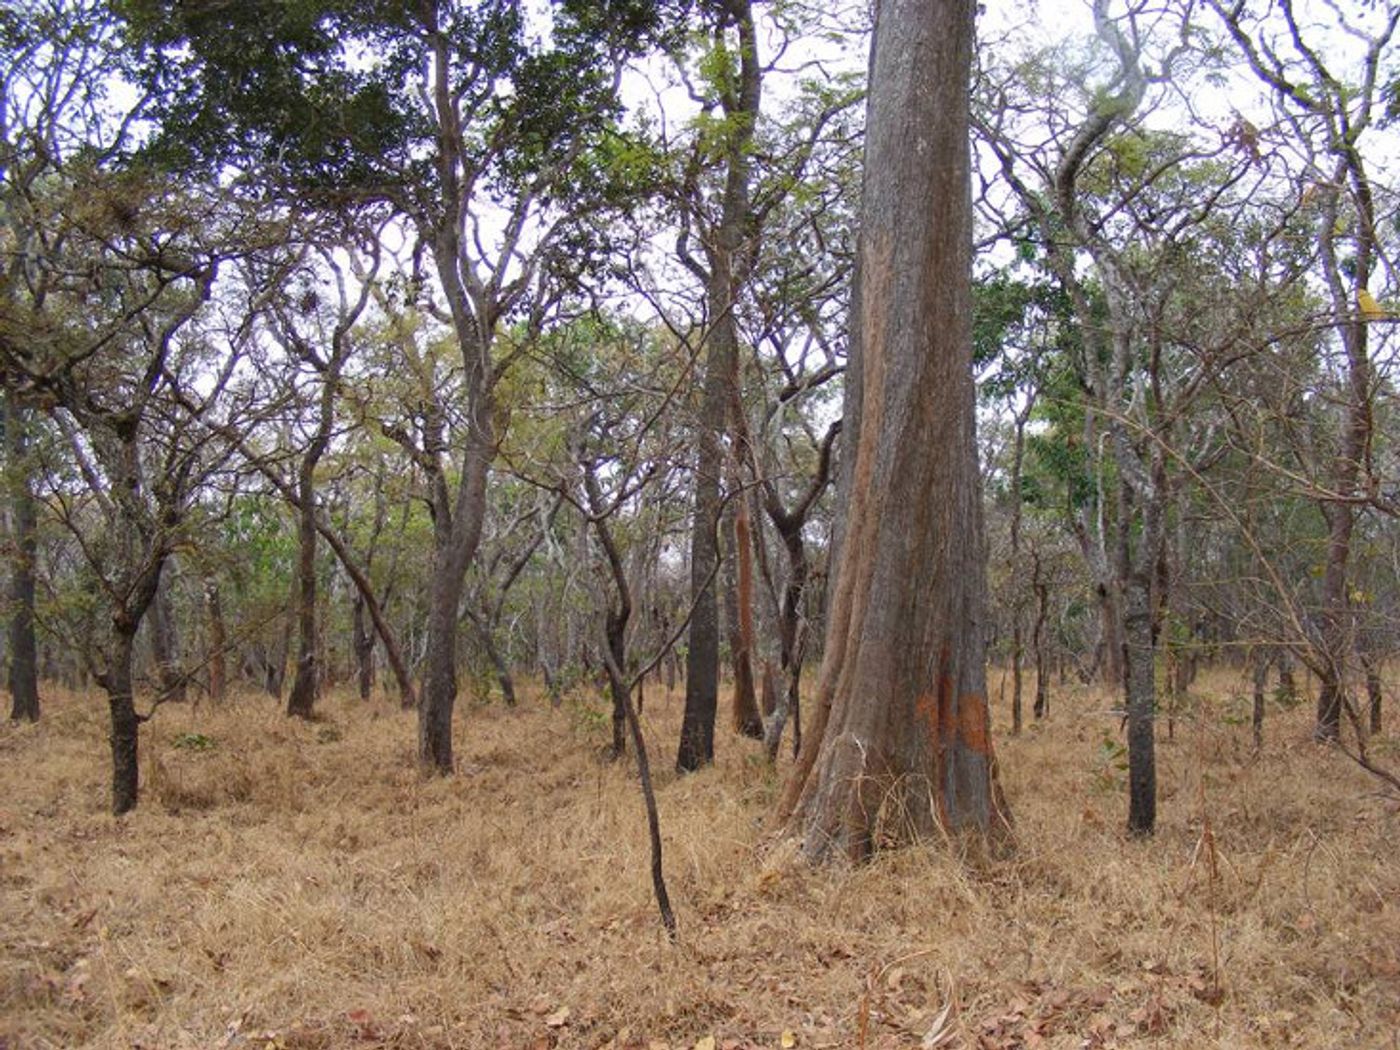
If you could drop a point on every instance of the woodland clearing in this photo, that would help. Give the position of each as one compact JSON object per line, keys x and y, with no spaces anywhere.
{"x":299,"y":885}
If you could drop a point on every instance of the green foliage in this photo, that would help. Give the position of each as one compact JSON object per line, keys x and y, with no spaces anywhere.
{"x":333,"y":92}
{"x":194,"y":742}
{"x":1110,"y":770}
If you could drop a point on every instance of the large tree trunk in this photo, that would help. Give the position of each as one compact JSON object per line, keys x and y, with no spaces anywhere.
{"x":126,"y":726}
{"x":901,"y":743}
{"x":697,"y":744}
{"x":24,"y":656}
{"x":457,"y":533}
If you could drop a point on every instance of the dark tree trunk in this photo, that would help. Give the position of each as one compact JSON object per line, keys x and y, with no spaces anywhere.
{"x":901,"y":743}
{"x":457,"y":534}
{"x":697,"y":743}
{"x":24,"y":656}
{"x":741,"y":103}
{"x":301,"y":701}
{"x":1017,"y":614}
{"x":747,"y":720}
{"x":362,"y":642}
{"x":1042,"y":665}
{"x":1260,"y":672}
{"x":1142,"y":760}
{"x":126,"y":725}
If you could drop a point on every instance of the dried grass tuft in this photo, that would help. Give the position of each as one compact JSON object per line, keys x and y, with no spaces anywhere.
{"x":300,"y":885}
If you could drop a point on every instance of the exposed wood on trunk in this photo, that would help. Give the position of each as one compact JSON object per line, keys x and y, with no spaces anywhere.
{"x":901,"y":742}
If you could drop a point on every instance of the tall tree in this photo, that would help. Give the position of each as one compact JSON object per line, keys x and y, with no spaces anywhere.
{"x":901,"y":743}
{"x":24,"y":537}
{"x":475,"y":122}
{"x":738,"y":87}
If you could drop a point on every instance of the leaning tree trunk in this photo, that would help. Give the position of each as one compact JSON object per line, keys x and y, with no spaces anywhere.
{"x":901,"y":744}
{"x":24,"y":655}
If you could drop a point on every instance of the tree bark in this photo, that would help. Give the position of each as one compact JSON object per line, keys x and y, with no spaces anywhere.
{"x":741,"y":102}
{"x":457,"y":534}
{"x":301,"y":701}
{"x":747,"y":720}
{"x":24,"y":655}
{"x":126,"y":725}
{"x":1041,"y":708}
{"x":901,"y":743}
{"x":362,"y":643}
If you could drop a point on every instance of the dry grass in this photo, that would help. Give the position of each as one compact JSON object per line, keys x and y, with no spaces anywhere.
{"x":299,"y":885}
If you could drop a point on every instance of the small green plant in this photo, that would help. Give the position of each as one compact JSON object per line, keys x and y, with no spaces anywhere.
{"x":194,"y":742}
{"x":1110,"y":763}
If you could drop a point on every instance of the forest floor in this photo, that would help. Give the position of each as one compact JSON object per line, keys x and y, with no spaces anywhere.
{"x":290,"y":885}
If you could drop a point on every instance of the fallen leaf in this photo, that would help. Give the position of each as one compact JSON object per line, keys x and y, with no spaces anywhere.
{"x":788,"y":1040}
{"x":559,"y":1018}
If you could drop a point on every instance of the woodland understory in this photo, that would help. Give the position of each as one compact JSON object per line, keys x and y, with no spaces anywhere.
{"x":298,"y":885}
{"x":699,"y":524}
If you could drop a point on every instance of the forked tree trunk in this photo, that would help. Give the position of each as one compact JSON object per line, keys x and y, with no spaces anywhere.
{"x":901,"y":742}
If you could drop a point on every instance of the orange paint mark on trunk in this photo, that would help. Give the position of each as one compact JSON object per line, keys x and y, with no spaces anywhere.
{"x":974,"y":724}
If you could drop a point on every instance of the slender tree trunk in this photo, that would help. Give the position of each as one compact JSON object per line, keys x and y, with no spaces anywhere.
{"x":747,"y":719}
{"x":1042,"y":665}
{"x":24,"y":657}
{"x":218,"y":641}
{"x":362,"y":642}
{"x":485,"y":630}
{"x":1017,"y":642}
{"x":1260,"y":667}
{"x":901,"y":743}
{"x":741,"y":103}
{"x":1370,"y":667}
